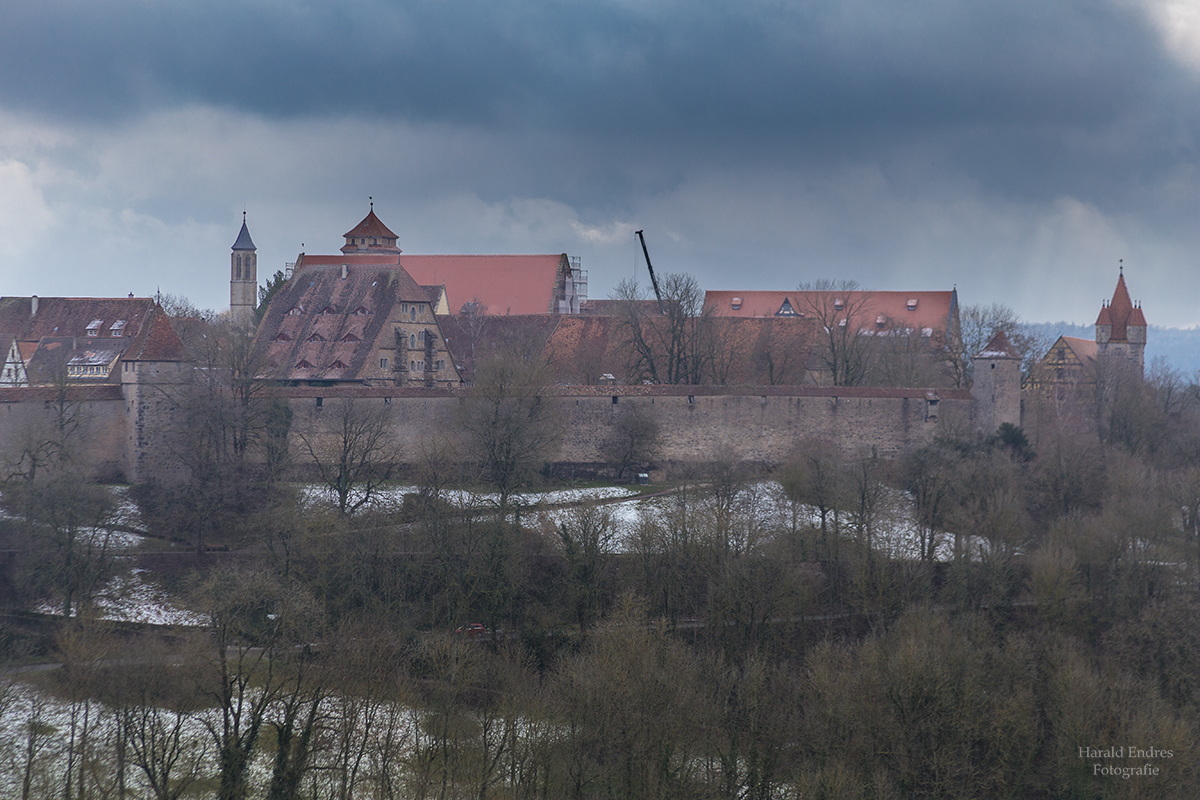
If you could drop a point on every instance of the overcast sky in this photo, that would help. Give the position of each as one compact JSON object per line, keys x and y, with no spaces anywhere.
{"x":1015,"y":148}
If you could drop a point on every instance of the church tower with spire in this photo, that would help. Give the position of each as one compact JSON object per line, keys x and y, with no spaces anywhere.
{"x":1121,"y":327}
{"x":243,"y":277}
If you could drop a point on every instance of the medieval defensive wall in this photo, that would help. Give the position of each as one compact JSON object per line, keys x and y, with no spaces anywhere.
{"x":126,"y":432}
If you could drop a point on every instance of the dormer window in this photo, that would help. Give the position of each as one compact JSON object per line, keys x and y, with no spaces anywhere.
{"x":337,"y":365}
{"x":327,"y":310}
{"x":350,"y":337}
{"x":282,"y":337}
{"x":737,"y":303}
{"x":881,"y":320}
{"x":911,"y":305}
{"x":118,"y":328}
{"x":316,"y":337}
{"x":93,"y":328}
{"x":295,"y":311}
{"x":304,"y":364}
{"x":786,"y":309}
{"x":361,"y":311}
{"x":838,"y":304}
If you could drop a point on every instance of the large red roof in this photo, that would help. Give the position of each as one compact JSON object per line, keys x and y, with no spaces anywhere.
{"x":875,"y":310}
{"x":506,"y":284}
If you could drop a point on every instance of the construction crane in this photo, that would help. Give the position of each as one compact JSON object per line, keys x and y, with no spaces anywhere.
{"x":653,"y":280}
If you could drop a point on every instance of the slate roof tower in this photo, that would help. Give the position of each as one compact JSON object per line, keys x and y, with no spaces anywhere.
{"x":243,"y":277}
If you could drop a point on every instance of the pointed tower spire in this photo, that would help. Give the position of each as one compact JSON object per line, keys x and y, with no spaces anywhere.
{"x":243,"y":277}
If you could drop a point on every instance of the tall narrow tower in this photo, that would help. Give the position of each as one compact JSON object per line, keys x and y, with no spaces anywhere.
{"x":1121,"y":327}
{"x":243,"y":277}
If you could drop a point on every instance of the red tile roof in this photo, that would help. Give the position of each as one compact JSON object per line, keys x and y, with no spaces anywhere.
{"x":879,"y":310}
{"x":506,"y":284}
{"x":1120,"y":313}
{"x":999,"y":347}
{"x":371,"y":226}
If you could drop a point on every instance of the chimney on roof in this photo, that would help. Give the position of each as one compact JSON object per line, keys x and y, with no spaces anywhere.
{"x":344,"y":271}
{"x":33,"y":303}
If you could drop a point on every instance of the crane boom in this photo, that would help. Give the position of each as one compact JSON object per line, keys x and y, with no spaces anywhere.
{"x":653,"y":280}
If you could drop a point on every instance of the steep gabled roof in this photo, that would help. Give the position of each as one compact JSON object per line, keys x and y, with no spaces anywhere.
{"x":334,"y":345}
{"x":1084,"y":350}
{"x":158,"y":342}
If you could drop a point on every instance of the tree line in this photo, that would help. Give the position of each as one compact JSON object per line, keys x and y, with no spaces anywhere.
{"x":956,"y":623}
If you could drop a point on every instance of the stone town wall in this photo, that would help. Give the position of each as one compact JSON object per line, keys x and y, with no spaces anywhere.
{"x":28,"y":417}
{"x":127,"y":429}
{"x":762,"y":424}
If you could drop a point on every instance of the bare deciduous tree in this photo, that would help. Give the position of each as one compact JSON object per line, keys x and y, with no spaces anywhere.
{"x":841,"y":310}
{"x":678,"y":343}
{"x":511,"y":425}
{"x":350,"y":443}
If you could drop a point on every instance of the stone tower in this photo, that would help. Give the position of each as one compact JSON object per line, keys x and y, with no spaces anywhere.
{"x":1121,"y":328}
{"x":996,"y":387}
{"x":243,"y":278}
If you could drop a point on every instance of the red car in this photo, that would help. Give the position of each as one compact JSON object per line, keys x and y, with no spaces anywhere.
{"x":473,"y":629}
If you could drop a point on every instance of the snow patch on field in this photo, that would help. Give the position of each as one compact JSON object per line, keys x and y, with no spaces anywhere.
{"x":464,"y":498}
{"x":133,"y":598}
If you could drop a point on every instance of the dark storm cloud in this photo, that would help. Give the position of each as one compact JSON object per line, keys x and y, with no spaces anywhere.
{"x":894,"y":142}
{"x":771,"y":72}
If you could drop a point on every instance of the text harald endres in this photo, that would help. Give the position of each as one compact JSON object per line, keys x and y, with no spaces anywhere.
{"x":1124,"y":752}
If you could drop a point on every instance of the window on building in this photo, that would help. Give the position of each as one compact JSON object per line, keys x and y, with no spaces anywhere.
{"x":93,"y":328}
{"x":412,"y":366}
{"x":351,"y":337}
{"x":383,"y":363}
{"x":118,"y":328}
{"x":339,"y":364}
{"x":295,"y":311}
{"x":421,"y":336}
{"x":320,"y":402}
{"x":412,"y":340}
{"x":327,"y":310}
{"x":412,"y":314}
{"x":361,"y":311}
{"x":316,"y":337}
{"x":282,"y":337}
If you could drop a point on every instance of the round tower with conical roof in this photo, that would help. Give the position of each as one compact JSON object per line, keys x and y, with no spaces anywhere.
{"x":243,"y":277}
